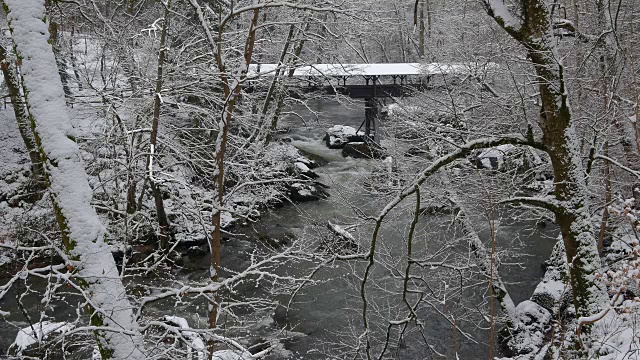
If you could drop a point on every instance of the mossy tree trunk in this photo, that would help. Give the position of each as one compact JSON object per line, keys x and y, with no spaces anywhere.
{"x":90,"y":262}
{"x":22,"y":118}
{"x":532,"y":28}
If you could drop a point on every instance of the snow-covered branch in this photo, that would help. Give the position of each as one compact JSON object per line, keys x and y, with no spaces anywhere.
{"x":498,"y":10}
{"x":618,"y":164}
{"x":550,"y":202}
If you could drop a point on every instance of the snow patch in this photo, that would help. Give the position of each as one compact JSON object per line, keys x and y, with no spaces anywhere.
{"x":37,"y":333}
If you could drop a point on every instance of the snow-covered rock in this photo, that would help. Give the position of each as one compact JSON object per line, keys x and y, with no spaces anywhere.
{"x":528,"y":336}
{"x":339,"y":135}
{"x":549,"y":293}
{"x":510,"y":157}
{"x":37,"y":333}
{"x":306,"y":192}
{"x":552,"y":290}
{"x":493,"y":159}
{"x":310,"y":163}
{"x":304,"y":170}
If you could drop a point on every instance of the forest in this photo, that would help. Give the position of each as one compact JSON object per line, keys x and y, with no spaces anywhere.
{"x":319,"y":179}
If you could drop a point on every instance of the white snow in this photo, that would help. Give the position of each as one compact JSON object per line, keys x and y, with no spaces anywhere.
{"x":197,"y":344}
{"x":339,"y":135}
{"x":302,"y":167}
{"x":500,"y":11}
{"x":39,"y":332}
{"x":396,"y":109}
{"x":341,"y":130}
{"x":535,"y":318}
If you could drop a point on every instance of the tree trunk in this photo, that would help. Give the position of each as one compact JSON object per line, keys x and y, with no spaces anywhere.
{"x":94,"y":268}
{"x":282,"y":94}
{"x":231,"y":92}
{"x":221,"y":145}
{"x":72,"y":56}
{"x":163,"y":221}
{"x":606,"y":63}
{"x":22,"y":118}
{"x":272,"y":87}
{"x":570,"y":187}
{"x":422,"y":31}
{"x":559,"y":136}
{"x":61,"y":64}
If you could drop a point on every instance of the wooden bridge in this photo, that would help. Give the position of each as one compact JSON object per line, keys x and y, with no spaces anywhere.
{"x":364,"y":81}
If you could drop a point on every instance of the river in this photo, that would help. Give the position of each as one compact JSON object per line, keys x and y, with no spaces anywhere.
{"x":330,"y":312}
{"x":326,"y":316}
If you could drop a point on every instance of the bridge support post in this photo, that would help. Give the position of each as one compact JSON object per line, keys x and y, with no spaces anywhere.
{"x":370,"y":115}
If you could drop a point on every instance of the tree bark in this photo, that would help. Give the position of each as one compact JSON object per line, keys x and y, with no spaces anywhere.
{"x":62,"y":65}
{"x":232,"y":92}
{"x":422,"y":31}
{"x":22,"y":118}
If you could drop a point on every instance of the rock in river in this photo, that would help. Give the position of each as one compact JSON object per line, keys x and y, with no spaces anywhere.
{"x":306,"y":192}
{"x":339,"y":135}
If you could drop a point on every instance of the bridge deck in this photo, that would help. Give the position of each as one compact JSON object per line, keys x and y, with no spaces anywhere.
{"x":348,"y":70}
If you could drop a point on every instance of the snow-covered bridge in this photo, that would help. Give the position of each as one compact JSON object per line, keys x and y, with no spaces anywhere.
{"x":367,"y":81}
{"x":347,"y":70}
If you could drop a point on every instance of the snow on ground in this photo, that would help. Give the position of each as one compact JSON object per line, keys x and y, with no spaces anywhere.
{"x":616,"y":335}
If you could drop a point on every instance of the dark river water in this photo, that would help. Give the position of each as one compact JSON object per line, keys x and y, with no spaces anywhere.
{"x":326,"y":316}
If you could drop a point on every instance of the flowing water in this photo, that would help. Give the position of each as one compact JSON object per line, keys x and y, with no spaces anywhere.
{"x":328,"y":313}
